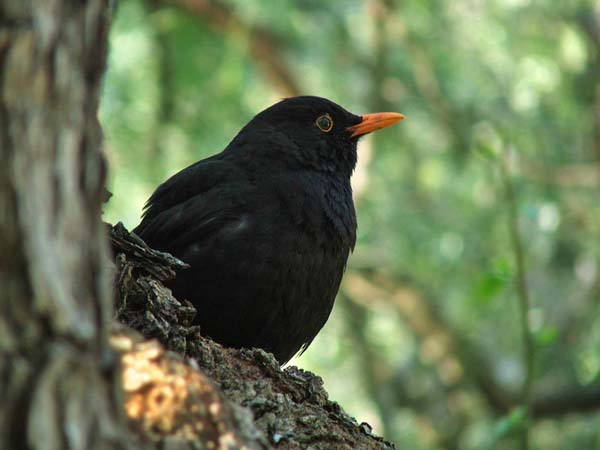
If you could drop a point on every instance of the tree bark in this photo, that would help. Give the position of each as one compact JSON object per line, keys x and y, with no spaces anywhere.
{"x":289,"y":409}
{"x":57,"y":376}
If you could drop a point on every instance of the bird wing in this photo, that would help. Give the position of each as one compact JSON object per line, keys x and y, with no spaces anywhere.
{"x":194,"y":202}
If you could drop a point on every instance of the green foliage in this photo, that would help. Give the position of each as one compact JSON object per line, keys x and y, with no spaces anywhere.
{"x":511,"y":424}
{"x":430,"y":302}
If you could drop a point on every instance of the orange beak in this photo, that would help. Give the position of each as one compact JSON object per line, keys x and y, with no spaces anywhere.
{"x":373,"y":122}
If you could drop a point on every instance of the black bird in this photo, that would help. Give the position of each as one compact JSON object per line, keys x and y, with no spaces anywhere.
{"x":266,"y":225}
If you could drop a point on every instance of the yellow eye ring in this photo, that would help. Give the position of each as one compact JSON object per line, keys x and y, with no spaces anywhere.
{"x":324,"y":122}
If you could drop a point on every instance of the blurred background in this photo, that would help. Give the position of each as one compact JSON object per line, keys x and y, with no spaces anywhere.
{"x":469,"y":315}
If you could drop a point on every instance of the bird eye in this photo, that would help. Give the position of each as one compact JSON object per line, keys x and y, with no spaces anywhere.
{"x":325,"y":123}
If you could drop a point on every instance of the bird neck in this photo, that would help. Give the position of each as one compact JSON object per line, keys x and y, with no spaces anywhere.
{"x":339,"y":209}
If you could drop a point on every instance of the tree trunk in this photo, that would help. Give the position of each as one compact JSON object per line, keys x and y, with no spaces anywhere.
{"x":56,"y":375}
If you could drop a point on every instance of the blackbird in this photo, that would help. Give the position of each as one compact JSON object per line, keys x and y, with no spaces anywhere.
{"x":266,"y":225}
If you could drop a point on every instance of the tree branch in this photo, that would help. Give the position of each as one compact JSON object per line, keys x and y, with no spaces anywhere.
{"x":417,"y":307}
{"x":265,"y":48}
{"x":524,"y":302}
{"x":290,"y":406}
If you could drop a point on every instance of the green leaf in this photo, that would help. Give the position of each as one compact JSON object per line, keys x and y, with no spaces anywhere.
{"x":515,"y":422}
{"x":546,"y":336}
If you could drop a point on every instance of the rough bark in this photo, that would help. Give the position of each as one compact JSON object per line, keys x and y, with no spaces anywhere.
{"x":171,"y":404}
{"x":56,"y":373}
{"x":290,"y":408}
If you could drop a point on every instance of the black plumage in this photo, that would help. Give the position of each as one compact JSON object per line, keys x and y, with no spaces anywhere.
{"x":267,"y":225}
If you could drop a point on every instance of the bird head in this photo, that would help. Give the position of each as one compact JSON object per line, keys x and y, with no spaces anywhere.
{"x":309,"y":132}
